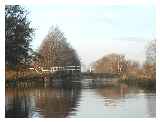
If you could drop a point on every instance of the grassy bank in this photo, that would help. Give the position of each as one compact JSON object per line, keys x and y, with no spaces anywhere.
{"x":149,"y":84}
{"x":30,"y":74}
{"x":11,"y":74}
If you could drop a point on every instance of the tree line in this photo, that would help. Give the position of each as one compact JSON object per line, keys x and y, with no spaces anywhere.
{"x":56,"y":51}
{"x":129,"y":69}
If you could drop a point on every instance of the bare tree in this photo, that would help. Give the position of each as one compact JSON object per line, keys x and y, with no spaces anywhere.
{"x":150,"y":64}
{"x":56,"y":51}
{"x":117,"y":63}
{"x":151,"y":53}
{"x":113,"y":63}
{"x":133,"y":69}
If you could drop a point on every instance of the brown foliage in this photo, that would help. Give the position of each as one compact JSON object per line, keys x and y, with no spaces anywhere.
{"x":55,"y":51}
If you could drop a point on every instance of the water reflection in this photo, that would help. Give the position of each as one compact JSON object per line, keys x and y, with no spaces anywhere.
{"x":112,"y":95}
{"x":108,"y":101}
{"x":40,"y":102}
{"x":124,"y":101}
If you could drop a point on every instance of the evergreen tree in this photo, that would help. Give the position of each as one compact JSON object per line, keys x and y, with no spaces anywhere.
{"x":18,"y":35}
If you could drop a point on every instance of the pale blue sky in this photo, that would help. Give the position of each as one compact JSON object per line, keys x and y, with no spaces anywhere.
{"x":97,"y":30}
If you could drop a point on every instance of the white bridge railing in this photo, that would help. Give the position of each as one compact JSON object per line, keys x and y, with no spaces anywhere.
{"x":56,"y":68}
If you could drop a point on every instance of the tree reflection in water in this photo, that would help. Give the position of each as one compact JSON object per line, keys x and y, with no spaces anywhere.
{"x":113,"y":94}
{"x":126,"y":101}
{"x":75,"y":101}
{"x":41,"y":102}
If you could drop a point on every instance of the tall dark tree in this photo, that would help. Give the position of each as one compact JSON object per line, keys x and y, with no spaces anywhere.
{"x":18,"y":35}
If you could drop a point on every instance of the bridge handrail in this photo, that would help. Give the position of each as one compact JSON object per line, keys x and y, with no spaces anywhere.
{"x":56,"y":68}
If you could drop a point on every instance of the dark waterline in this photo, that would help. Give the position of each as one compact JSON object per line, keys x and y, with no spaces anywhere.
{"x":113,"y":101}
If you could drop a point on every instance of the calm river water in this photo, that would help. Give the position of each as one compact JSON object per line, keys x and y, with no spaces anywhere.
{"x":117,"y":101}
